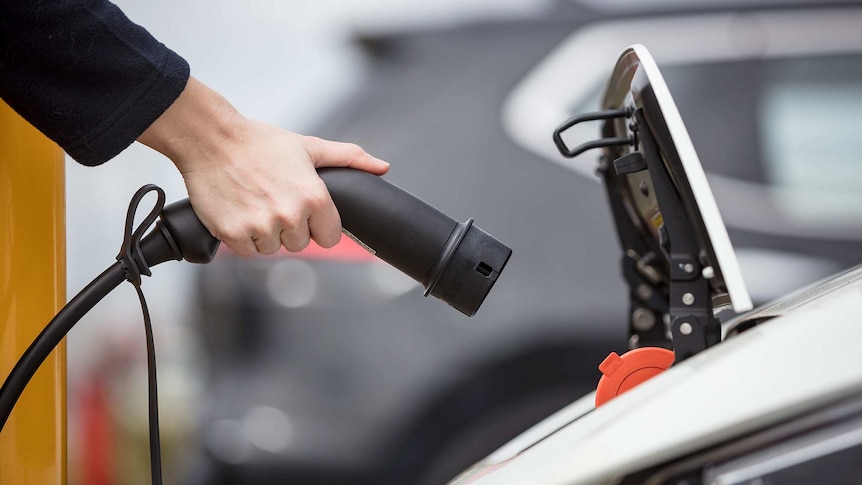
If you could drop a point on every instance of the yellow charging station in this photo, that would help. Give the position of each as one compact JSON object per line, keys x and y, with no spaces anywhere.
{"x":32,"y":291}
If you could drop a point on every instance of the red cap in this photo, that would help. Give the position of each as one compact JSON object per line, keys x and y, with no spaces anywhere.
{"x":619,"y":374}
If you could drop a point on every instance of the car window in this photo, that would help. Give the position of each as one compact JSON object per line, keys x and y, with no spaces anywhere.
{"x":809,"y":121}
{"x":786,"y":123}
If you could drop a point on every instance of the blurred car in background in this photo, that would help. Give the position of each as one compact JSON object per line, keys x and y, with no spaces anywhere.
{"x":329,"y":367}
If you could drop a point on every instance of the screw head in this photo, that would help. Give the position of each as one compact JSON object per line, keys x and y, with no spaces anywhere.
{"x":644,"y":292}
{"x":685,"y":328}
{"x":688,"y":267}
{"x":643,"y":319}
{"x":688,"y":298}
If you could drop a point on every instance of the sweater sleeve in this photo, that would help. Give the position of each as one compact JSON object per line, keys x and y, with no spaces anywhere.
{"x":84,"y":74}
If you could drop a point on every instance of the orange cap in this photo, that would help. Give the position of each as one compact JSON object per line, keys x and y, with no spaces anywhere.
{"x":619,"y":374}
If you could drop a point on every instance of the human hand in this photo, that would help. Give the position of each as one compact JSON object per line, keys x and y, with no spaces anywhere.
{"x":253,"y":185}
{"x":263,"y":191}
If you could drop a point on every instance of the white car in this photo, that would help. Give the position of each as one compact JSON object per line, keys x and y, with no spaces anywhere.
{"x":770,"y":396}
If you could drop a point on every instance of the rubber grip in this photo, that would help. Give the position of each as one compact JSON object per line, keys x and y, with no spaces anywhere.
{"x":399,"y":227}
{"x":456,"y":262}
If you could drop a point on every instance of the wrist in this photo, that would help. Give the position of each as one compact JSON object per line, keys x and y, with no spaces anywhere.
{"x":195,"y":128}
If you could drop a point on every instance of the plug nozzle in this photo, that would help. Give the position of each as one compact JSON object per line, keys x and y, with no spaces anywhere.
{"x":455,"y":262}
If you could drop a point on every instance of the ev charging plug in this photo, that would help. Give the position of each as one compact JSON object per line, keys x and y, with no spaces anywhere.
{"x":455,"y":262}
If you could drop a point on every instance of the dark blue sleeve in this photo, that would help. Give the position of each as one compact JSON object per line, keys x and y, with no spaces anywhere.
{"x":84,"y":74}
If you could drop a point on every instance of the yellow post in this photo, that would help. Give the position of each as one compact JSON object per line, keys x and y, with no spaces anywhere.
{"x":32,"y":290}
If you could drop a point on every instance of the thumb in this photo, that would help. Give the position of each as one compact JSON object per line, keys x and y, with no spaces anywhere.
{"x":325,"y":153}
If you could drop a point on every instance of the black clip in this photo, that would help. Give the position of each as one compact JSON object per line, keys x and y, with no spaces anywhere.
{"x":131,"y":257}
{"x":602,"y":142}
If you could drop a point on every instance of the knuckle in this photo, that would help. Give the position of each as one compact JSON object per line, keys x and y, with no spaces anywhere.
{"x":355,"y":150}
{"x":318,"y":199}
{"x":311,"y":144}
{"x":289,"y":220}
{"x":230,"y":235}
{"x":238,"y":237}
{"x":258,"y":230}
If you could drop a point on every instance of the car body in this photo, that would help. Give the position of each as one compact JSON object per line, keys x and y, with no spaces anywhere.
{"x":370,"y":381}
{"x":779,"y":402}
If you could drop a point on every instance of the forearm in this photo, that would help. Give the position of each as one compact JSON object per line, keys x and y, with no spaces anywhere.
{"x":84,"y":74}
{"x":95,"y":82}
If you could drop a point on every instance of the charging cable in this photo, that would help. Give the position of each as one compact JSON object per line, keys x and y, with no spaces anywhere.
{"x":134,"y":264}
{"x":178,"y":235}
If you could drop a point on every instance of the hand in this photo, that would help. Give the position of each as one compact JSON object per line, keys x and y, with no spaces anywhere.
{"x":262,"y":192}
{"x":253,"y":185}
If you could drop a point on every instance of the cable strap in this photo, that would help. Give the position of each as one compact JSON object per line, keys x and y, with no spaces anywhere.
{"x":131,"y":257}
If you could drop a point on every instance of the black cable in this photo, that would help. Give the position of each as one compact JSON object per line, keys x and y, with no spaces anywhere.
{"x":131,"y":264}
{"x":135,"y":264}
{"x":155,"y":446}
{"x":53,"y":333}
{"x":179,"y":235}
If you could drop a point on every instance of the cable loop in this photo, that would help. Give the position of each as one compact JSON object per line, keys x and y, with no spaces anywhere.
{"x":134,"y":264}
{"x":131,"y":256}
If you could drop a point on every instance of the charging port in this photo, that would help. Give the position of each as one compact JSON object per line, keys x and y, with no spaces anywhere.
{"x":484,"y":269}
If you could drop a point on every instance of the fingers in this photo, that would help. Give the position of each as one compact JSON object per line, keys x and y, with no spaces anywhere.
{"x":266,"y":237}
{"x":288,"y":230}
{"x":295,"y":238}
{"x":264,"y":193}
{"x":315,"y":218}
{"x":325,"y":225}
{"x":244,"y":245}
{"x":325,"y":153}
{"x":267,"y":245}
{"x":295,"y":231}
